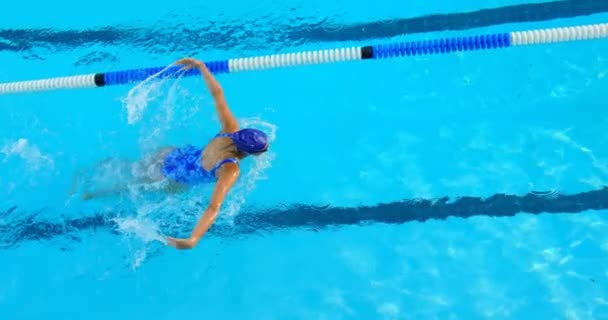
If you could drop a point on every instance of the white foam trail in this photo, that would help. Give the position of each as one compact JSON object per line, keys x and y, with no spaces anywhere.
{"x":34,"y":159}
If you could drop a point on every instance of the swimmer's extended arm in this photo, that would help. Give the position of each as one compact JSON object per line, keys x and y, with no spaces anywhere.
{"x":228,"y":174}
{"x":229,"y":123}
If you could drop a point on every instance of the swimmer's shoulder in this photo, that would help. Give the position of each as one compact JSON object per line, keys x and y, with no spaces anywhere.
{"x":218,"y":149}
{"x":219,"y":143}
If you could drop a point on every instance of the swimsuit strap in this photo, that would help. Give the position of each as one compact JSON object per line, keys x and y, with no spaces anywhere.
{"x":223,"y":135}
{"x":221,"y":163}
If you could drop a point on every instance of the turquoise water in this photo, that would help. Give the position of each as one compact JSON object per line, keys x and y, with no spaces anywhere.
{"x":370,"y":138}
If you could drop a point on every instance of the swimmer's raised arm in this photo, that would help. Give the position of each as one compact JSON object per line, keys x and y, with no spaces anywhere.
{"x":229,"y":123}
{"x":227,"y":176}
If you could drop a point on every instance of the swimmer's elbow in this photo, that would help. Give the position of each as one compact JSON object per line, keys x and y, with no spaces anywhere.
{"x":192,"y":242}
{"x":213,"y":208}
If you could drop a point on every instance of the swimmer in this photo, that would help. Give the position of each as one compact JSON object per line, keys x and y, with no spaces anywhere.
{"x":217,"y":162}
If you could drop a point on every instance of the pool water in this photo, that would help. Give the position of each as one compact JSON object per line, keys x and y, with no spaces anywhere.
{"x":364,"y":207}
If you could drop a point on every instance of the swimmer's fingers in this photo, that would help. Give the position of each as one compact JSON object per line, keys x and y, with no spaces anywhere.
{"x":185,"y":68}
{"x":187,"y":64}
{"x":184,"y":61}
{"x":172,"y":242}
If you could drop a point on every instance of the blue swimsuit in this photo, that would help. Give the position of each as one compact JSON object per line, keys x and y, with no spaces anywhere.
{"x":184,"y":165}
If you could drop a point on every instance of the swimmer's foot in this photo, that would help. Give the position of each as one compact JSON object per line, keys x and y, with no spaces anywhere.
{"x":77,"y":183}
{"x":102,"y":193}
{"x":87,"y":196}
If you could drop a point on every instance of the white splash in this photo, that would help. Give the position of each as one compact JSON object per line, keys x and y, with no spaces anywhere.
{"x":154,"y":130}
{"x":140,"y":257}
{"x":140,"y":96}
{"x":141,"y":228}
{"x":261,"y":163}
{"x":21,"y":148}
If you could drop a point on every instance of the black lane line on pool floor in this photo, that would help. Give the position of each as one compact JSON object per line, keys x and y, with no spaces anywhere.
{"x":253,"y":36}
{"x":26,"y":227}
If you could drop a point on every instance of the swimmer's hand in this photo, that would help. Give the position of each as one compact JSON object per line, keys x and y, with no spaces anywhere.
{"x":189,"y":63}
{"x":181,"y":244}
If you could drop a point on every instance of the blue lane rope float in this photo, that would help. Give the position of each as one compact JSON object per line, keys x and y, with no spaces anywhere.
{"x":380,"y":51}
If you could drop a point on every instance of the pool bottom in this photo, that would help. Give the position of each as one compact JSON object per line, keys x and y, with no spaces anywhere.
{"x":547,"y":266}
{"x":311,"y":217}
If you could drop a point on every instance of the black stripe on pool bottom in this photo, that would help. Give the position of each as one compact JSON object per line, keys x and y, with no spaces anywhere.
{"x":531,"y":12}
{"x":317,"y":218}
{"x":201,"y":37}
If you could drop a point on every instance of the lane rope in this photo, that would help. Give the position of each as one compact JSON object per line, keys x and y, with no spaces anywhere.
{"x":380,"y":51}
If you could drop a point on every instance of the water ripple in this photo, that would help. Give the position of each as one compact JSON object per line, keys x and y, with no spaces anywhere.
{"x":272,"y":32}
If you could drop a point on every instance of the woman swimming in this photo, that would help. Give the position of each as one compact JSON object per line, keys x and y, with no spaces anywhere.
{"x":217,"y":162}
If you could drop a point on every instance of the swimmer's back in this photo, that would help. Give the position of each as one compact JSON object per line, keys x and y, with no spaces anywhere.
{"x":218,"y":149}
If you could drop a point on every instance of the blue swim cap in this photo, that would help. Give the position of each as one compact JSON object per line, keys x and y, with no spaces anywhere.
{"x":250,"y":140}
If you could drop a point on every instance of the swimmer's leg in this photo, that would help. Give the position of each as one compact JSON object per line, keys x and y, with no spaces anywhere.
{"x":169,"y":187}
{"x":104,"y":192}
{"x":89,"y":180}
{"x":83,"y":178}
{"x":142,"y":172}
{"x":150,"y":169}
